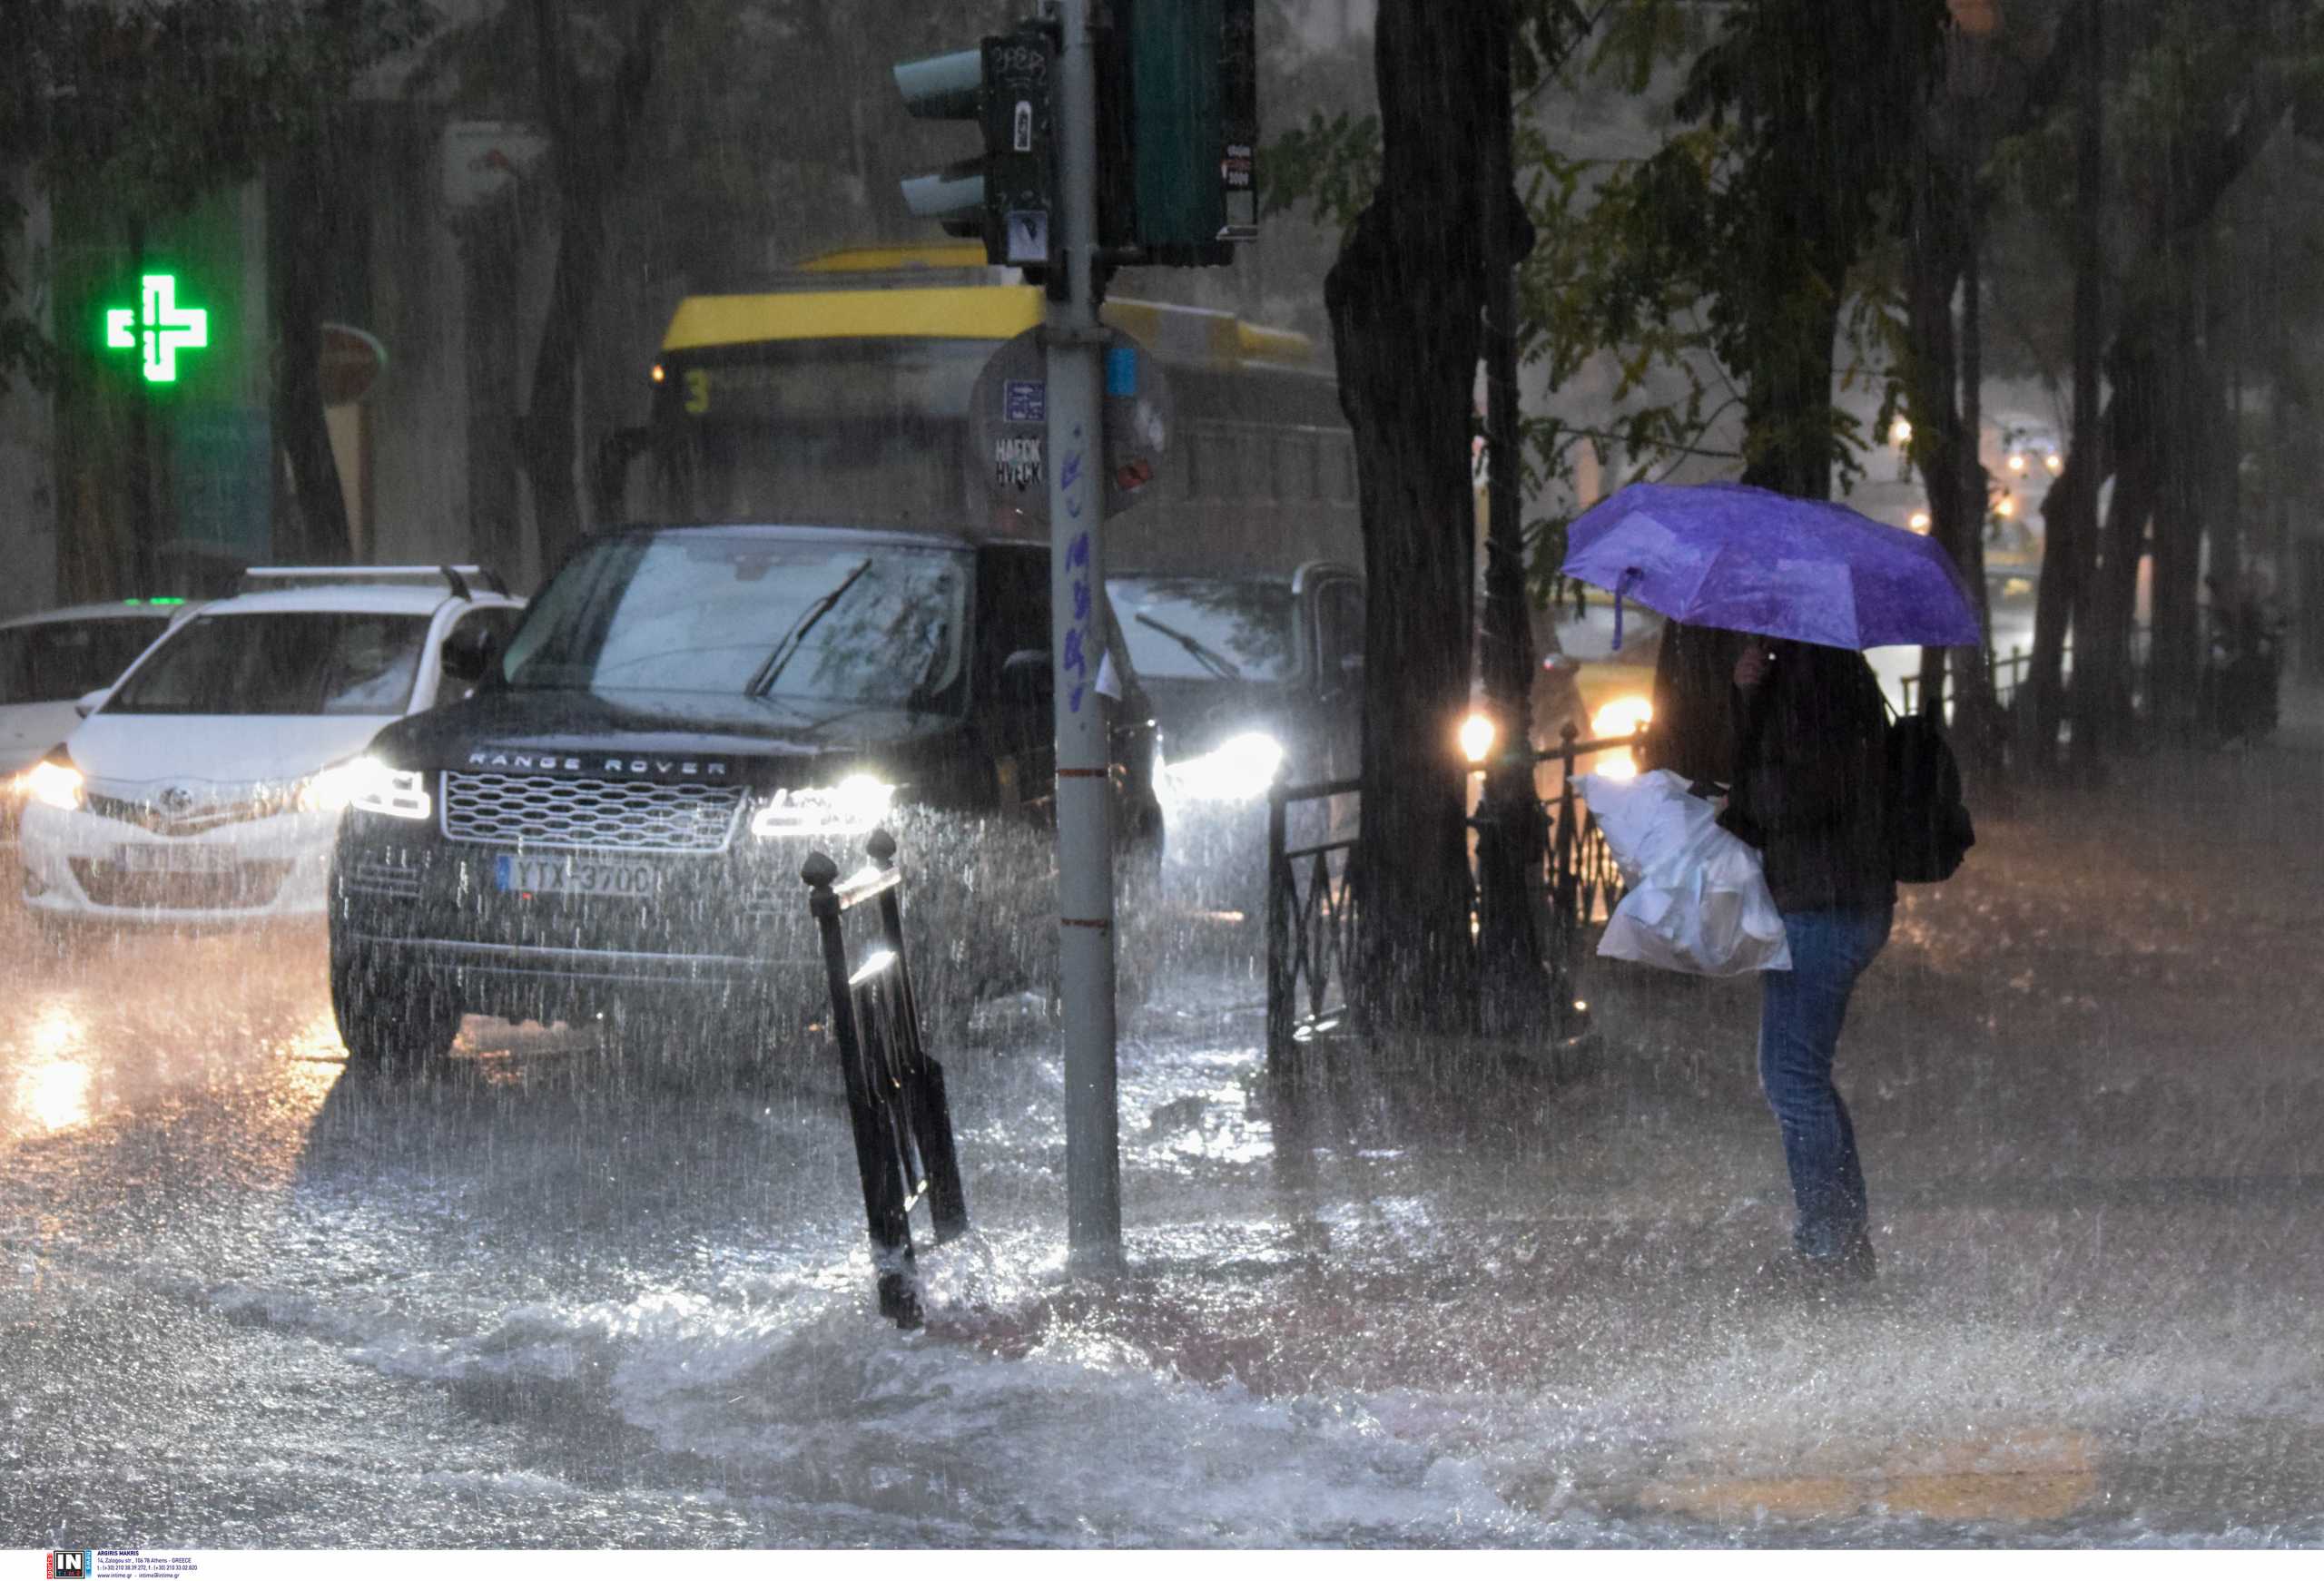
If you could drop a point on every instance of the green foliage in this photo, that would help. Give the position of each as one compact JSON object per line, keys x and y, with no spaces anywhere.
{"x":1331,"y":165}
{"x":1684,"y":273}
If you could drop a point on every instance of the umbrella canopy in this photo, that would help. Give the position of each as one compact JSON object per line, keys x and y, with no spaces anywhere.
{"x":1748,"y":560}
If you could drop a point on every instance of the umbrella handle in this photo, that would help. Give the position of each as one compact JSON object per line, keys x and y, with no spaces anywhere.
{"x":1621,"y":584}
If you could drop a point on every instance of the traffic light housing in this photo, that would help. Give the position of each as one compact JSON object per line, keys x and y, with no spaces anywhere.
{"x":1178,"y":135}
{"x":1179,"y":127}
{"x":1004,"y":196}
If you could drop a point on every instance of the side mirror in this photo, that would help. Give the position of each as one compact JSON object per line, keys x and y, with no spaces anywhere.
{"x":88,"y":702}
{"x":467,"y":655}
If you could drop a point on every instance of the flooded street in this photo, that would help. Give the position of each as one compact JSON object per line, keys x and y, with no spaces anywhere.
{"x":569,"y":1294}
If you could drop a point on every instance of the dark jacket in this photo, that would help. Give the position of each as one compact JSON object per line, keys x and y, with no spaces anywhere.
{"x":1811,"y":778}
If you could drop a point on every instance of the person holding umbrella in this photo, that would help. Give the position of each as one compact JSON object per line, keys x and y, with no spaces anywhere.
{"x":1809,"y":790}
{"x":1795,"y":590}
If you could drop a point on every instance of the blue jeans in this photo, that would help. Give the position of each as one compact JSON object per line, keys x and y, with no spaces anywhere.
{"x":1800,"y":1015}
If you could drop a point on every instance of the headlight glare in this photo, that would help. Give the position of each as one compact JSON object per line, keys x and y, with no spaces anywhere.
{"x":1621,"y":717}
{"x":1239,"y":770}
{"x":57,"y":784}
{"x":853,"y":806}
{"x":1477,"y":734}
{"x":370,"y":785}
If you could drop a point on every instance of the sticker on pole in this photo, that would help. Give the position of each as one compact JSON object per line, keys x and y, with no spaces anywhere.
{"x":1008,"y":427}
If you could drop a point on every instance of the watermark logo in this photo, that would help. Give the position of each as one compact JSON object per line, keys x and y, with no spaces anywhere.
{"x":71,"y":1563}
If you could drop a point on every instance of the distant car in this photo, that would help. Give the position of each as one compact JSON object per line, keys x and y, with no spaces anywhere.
{"x":1602,"y":691}
{"x":50,"y":661}
{"x":1250,"y":676}
{"x":205,"y":786}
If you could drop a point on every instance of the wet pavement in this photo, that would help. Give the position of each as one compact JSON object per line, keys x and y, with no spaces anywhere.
{"x":565,"y":1292}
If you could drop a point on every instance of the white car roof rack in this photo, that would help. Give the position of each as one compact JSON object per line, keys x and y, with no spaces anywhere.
{"x":277,"y":578}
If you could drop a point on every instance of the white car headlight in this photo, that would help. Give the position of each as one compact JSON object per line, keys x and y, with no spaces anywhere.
{"x":55,"y":784}
{"x":1240,"y":771}
{"x":369,"y":785}
{"x":853,"y":806}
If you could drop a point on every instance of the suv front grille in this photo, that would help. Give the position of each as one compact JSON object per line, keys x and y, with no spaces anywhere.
{"x":589,"y":815}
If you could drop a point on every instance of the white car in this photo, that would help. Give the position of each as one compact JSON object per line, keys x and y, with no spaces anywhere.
{"x":49,"y":661}
{"x":205,"y":786}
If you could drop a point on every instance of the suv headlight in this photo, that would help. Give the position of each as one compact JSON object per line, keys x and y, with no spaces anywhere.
{"x":1240,"y":771}
{"x":853,"y":806}
{"x":53,"y":781}
{"x":369,"y":785}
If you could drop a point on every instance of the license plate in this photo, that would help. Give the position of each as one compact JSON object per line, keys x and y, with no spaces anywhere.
{"x":175,"y":858}
{"x":573,"y":876}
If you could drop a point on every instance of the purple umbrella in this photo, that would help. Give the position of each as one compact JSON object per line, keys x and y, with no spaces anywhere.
{"x":1748,"y":560}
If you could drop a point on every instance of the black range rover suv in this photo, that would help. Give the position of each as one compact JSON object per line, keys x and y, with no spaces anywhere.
{"x":615,"y":821}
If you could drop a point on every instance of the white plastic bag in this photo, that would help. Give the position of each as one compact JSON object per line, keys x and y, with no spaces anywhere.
{"x":1698,"y":900}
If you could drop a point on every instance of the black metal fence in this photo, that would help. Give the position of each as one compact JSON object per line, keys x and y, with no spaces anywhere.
{"x":1311,"y":896}
{"x":895,"y":1091}
{"x":2006,"y":672}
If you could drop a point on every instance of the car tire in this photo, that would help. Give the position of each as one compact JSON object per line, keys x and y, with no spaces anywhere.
{"x":393,"y":1022}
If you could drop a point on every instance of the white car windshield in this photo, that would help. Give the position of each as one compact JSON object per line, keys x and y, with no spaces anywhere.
{"x":58,"y":661}
{"x":1206,"y":628}
{"x":849,"y":622}
{"x":281,"y":662}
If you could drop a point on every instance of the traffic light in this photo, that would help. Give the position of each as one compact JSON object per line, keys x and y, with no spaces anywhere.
{"x":1178,"y":135}
{"x":1005,"y":195}
{"x":1178,"y":127}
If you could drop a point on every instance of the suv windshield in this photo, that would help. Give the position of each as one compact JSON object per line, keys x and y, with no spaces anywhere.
{"x":58,"y":661}
{"x":1204,"y":628}
{"x":852,"y":622}
{"x":291,"y":662}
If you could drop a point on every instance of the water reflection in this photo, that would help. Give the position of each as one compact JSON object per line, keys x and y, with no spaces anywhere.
{"x":56,"y":1082}
{"x":56,"y":1095}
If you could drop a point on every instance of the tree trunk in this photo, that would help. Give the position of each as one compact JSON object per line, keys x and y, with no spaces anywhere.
{"x":2184,"y":429}
{"x":1404,"y":298}
{"x":2070,"y":513}
{"x":1788,"y":405}
{"x":1933,"y":262}
{"x":590,"y":157}
{"x":1509,"y":843}
{"x":2107,"y":609}
{"x":489,"y":244}
{"x":299,"y":216}
{"x":1976,"y":717}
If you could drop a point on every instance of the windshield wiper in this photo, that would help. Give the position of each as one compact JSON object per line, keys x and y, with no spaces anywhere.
{"x":1216,"y":663}
{"x":796,"y":637}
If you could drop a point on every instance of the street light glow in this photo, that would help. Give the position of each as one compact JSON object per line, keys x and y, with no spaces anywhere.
{"x":2017,"y":462}
{"x":1919,"y":521}
{"x":2054,"y":463}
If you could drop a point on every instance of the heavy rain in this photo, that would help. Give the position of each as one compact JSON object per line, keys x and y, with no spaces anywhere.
{"x":1001,"y":778}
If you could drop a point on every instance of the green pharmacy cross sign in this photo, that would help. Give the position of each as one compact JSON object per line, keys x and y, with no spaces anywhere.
{"x":162,"y":327}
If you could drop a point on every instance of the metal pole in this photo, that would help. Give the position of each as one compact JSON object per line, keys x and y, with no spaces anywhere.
{"x":1084,"y":788}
